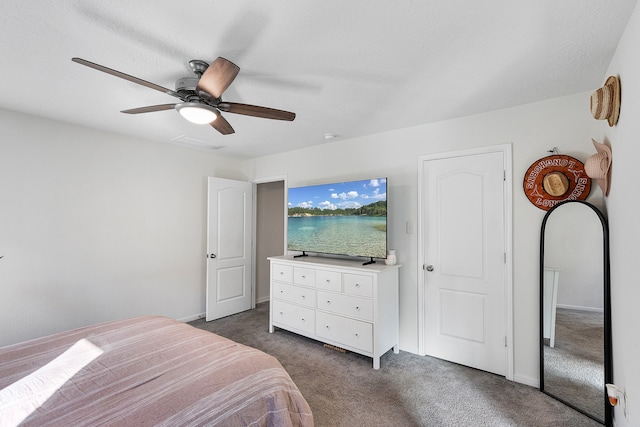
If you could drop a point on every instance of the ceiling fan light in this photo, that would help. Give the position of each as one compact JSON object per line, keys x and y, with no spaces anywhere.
{"x":196,"y":112}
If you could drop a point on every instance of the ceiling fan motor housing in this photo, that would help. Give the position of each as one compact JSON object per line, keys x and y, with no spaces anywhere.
{"x":187,"y":83}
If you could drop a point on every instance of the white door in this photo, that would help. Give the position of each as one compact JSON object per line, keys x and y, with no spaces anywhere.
{"x":229,"y":250}
{"x":464,"y":260}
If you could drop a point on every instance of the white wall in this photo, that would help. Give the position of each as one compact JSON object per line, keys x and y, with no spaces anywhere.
{"x":96,"y":226}
{"x":623,"y":206}
{"x":533,"y":129}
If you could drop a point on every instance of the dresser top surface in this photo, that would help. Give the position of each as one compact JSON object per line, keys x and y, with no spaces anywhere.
{"x":319,"y":261}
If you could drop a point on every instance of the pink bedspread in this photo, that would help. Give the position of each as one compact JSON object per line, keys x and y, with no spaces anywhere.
{"x":157,"y":371}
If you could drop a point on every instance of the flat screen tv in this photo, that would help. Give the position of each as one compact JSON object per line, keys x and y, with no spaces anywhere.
{"x":340,"y":218}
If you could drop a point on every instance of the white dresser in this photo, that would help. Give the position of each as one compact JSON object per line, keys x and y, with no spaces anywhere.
{"x":550,"y":303}
{"x":339,"y":302}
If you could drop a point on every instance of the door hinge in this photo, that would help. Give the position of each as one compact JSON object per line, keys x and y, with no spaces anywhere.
{"x":504,"y":175}
{"x":505,"y":257}
{"x":505,"y":340}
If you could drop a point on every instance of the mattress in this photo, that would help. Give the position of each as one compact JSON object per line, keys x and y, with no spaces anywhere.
{"x":147,"y":371}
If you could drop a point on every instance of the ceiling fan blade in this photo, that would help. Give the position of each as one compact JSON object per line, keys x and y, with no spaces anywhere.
{"x":256,"y":111}
{"x":149,"y":109}
{"x":217,"y":77}
{"x":125,"y":76}
{"x":222,"y":125}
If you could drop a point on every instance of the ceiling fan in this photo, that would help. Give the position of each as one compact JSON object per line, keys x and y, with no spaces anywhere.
{"x":201,"y":96}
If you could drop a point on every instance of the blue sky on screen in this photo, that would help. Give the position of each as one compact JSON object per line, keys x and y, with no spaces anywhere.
{"x":342,"y":195}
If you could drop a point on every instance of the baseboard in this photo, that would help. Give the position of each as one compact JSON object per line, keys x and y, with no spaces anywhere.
{"x":192,"y":318}
{"x":533,"y":382}
{"x":580,"y":308}
{"x":203,"y":315}
{"x":263,"y":299}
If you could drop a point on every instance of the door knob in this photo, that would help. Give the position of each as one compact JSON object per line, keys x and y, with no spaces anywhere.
{"x":429,"y":268}
{"x":212,"y":256}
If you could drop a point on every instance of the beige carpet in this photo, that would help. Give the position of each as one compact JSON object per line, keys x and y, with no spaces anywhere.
{"x":574,"y":367}
{"x":409,"y":390}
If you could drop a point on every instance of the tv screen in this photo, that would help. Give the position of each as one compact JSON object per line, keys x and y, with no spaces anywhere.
{"x":342,"y":218}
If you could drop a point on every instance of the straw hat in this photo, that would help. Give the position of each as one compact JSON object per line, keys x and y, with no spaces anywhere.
{"x":555,"y":183}
{"x":598,"y":166}
{"x":605,"y":101}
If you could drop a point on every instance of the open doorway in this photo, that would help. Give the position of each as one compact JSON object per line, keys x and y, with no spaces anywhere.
{"x":270,"y":231}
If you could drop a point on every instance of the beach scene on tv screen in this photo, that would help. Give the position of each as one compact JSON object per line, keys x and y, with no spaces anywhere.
{"x":348,"y":218}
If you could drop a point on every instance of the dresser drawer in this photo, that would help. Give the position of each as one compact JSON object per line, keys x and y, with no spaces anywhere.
{"x":293,"y":316}
{"x":283,"y":273}
{"x":356,"y":284}
{"x":295,"y":294}
{"x":329,"y":280}
{"x":349,"y":332}
{"x":304,"y":276}
{"x":347,"y":305}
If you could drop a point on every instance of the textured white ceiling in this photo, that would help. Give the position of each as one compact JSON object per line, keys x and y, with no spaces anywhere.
{"x":351,"y":68}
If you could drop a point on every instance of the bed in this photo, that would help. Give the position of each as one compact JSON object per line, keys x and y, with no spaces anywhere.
{"x":145,"y":371}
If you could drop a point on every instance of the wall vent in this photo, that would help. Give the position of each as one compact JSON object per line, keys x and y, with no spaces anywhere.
{"x":195,"y":142}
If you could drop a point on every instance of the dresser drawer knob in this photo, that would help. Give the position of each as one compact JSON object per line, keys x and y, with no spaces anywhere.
{"x":357,"y":335}
{"x":357,"y":285}
{"x":281,"y":312}
{"x":328,"y":281}
{"x":327,"y":326}
{"x":357,"y":308}
{"x":304,"y":277}
{"x":302,"y":319}
{"x":329,"y":302}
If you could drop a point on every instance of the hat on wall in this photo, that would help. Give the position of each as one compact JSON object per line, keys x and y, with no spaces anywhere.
{"x":555,"y":183}
{"x":605,"y":101}
{"x":598,"y":166}
{"x":555,"y":179}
